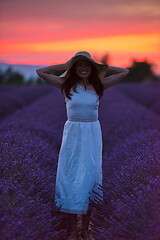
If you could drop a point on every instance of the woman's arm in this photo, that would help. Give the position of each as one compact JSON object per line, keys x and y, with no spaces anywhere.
{"x":46,"y":74}
{"x":117,"y":75}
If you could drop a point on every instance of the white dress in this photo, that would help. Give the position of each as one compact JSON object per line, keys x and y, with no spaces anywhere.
{"x":79,"y":169}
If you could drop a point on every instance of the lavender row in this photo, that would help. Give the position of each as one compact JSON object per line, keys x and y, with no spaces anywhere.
{"x":147,"y":94}
{"x":44,"y":117}
{"x":8,"y":88}
{"x":19,"y":97}
{"x":29,"y":153}
{"x":130,"y":209}
{"x":131,"y":170}
{"x":27,"y":189}
{"x":30,"y":146}
{"x":120,"y":118}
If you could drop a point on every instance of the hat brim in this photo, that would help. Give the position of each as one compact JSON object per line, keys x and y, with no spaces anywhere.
{"x":102,"y":68}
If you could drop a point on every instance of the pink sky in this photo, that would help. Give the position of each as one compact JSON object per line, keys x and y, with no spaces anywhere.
{"x":48,"y":32}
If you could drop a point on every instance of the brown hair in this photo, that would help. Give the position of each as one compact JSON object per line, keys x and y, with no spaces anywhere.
{"x":72,"y":79}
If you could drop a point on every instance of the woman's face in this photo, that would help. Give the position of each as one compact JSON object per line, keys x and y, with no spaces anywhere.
{"x":83,"y":68}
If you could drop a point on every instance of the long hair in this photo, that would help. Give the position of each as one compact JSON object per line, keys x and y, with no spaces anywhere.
{"x":73,"y":78}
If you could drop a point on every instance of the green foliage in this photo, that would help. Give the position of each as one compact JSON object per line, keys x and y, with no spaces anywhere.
{"x":140,"y":72}
{"x":10,"y":77}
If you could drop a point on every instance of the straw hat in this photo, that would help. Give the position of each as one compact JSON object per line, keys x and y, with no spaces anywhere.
{"x":102,"y":68}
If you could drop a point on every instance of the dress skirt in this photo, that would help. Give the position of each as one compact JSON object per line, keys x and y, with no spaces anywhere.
{"x":79,"y":170}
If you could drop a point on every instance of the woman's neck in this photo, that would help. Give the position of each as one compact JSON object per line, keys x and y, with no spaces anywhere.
{"x":85,"y":81}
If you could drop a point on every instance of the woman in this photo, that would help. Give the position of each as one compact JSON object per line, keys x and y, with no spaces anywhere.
{"x":79,"y":171}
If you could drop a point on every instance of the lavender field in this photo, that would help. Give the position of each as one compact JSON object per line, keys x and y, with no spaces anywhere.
{"x":31,"y":126}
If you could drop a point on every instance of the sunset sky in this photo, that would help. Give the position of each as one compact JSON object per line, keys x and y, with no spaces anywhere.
{"x":50,"y":32}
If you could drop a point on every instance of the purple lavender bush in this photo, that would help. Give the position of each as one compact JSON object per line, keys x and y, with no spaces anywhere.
{"x":16,"y":97}
{"x":131,"y":170}
{"x":7,"y":88}
{"x":30,"y":141}
{"x":27,"y":189}
{"x":146,"y":93}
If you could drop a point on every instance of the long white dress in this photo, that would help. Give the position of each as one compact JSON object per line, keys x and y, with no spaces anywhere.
{"x":79,"y":170}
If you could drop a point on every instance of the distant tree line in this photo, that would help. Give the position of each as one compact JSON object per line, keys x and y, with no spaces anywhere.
{"x":139,"y":72}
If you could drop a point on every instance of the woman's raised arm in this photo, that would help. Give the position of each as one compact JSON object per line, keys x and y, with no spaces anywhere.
{"x":46,"y":73}
{"x":52,"y":68}
{"x":118,"y":74}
